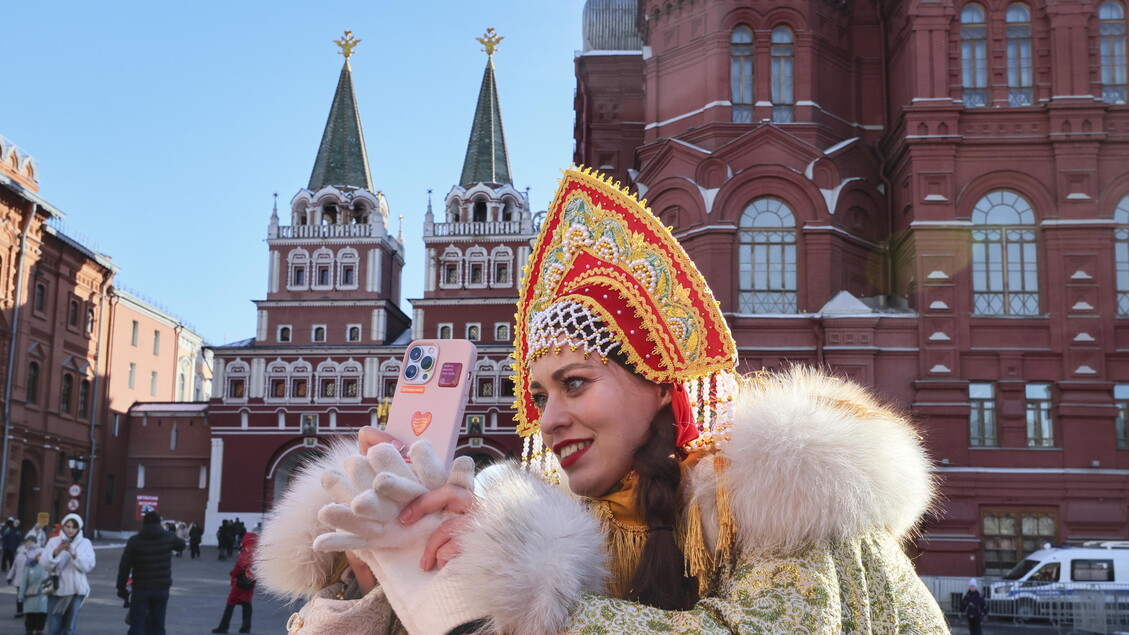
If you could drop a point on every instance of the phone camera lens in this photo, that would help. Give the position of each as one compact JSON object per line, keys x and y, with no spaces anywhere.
{"x":427,"y":362}
{"x":411,"y":371}
{"x":415,"y":353}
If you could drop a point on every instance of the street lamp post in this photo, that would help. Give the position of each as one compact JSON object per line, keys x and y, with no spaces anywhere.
{"x":77,"y":463}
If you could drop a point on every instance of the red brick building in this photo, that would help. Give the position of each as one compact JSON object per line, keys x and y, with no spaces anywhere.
{"x":53,"y":293}
{"x":930,"y":197}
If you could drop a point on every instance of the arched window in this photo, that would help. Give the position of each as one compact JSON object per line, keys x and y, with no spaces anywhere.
{"x":323,"y":269}
{"x":501,"y":259}
{"x":1111,"y":15}
{"x":319,"y":334}
{"x":445,"y":332}
{"x":284,"y":333}
{"x":1005,"y":272}
{"x":353,"y":334}
{"x":783,"y":63}
{"x":65,"y":393}
{"x":33,"y":382}
{"x":83,"y":398}
{"x":40,"y":297}
{"x":347,"y":264}
{"x":72,"y":313}
{"x":476,"y":267}
{"x":1121,"y":255}
{"x":974,"y":56}
{"x":299,"y":260}
{"x":767,"y":258}
{"x":1020,"y":79}
{"x":479,"y":211}
{"x":450,"y":268}
{"x":741,"y":74}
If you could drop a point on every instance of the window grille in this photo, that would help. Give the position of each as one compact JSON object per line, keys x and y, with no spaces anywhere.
{"x":974,"y":56}
{"x":767,"y":258}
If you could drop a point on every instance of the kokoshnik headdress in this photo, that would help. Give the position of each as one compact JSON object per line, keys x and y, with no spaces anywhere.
{"x":607,"y":277}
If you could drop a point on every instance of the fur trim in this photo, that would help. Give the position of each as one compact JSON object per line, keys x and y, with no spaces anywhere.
{"x":530,"y":552}
{"x":285,"y":561}
{"x":814,"y":458}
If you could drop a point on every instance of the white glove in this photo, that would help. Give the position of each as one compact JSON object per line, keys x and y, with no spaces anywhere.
{"x":370,"y":493}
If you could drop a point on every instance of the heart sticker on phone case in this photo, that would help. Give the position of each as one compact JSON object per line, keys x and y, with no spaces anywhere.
{"x":420,"y":421}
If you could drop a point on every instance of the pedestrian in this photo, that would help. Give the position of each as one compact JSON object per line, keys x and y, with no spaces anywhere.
{"x":39,"y":533}
{"x":10,"y":539}
{"x":182,"y":533}
{"x":242,"y":586}
{"x":225,"y":537}
{"x":239,"y":530}
{"x":147,"y":559}
{"x":712,"y":503}
{"x":975,"y":608}
{"x":16,"y":571}
{"x":67,"y":559}
{"x":195,"y":535}
{"x":34,"y":585}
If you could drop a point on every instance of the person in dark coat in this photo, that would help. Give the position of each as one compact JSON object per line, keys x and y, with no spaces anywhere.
{"x":240,"y":530}
{"x":225,"y":536}
{"x":195,"y":535}
{"x":240,"y":593}
{"x":148,"y":558}
{"x":975,"y":608}
{"x":11,"y":540}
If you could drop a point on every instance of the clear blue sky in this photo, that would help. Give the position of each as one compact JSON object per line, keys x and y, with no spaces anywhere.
{"x":162,"y":129}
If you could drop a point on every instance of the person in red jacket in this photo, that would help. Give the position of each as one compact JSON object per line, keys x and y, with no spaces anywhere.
{"x":242,"y":587}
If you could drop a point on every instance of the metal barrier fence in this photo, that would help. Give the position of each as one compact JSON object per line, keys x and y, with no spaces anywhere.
{"x":1086,"y":607}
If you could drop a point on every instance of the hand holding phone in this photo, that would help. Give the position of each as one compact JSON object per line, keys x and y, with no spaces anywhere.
{"x":431,"y":394}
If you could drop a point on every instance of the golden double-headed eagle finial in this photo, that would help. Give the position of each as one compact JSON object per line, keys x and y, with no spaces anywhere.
{"x":347,"y":43}
{"x":490,"y":40}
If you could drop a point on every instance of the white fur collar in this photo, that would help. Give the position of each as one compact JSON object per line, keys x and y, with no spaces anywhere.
{"x":813,"y":458}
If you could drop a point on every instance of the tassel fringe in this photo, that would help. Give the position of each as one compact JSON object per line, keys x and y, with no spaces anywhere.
{"x":625,"y":549}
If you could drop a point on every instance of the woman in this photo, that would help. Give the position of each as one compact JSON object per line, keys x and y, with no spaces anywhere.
{"x":16,"y":571}
{"x":31,"y":592}
{"x":242,"y":587}
{"x":182,"y":533}
{"x":195,"y":535}
{"x":698,"y":501}
{"x":69,"y":556}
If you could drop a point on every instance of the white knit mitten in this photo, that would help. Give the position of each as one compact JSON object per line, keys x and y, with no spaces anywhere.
{"x":370,"y":493}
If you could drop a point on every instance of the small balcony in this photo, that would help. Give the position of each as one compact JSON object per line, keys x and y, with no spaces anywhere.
{"x":330,"y":231}
{"x":481,"y":228}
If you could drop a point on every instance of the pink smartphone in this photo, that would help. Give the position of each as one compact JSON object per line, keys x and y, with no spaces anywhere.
{"x":431,"y":394}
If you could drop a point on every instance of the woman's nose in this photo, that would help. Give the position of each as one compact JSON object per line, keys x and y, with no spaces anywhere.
{"x":553,"y":417}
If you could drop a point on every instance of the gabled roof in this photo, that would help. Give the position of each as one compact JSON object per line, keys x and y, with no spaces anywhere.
{"x":486,"y":158}
{"x":342,"y":159}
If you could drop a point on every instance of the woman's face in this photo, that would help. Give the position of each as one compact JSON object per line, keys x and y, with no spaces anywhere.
{"x":593,"y":416}
{"x":70,"y":528}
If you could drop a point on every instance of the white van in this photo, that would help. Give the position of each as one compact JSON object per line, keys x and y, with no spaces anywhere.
{"x":1051,"y":576}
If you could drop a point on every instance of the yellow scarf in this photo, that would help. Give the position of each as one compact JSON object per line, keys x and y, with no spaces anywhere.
{"x":625,"y":531}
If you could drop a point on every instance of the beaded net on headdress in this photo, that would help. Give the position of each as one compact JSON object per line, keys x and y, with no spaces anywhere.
{"x":605,"y":275}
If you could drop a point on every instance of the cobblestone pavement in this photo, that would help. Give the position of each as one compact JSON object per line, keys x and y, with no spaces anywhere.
{"x":196,"y":602}
{"x":200,"y":589}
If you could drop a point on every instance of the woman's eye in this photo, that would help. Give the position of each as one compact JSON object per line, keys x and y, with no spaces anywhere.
{"x":573,"y":384}
{"x":538,"y":401}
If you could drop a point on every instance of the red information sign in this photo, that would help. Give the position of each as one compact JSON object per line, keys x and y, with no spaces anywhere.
{"x":145,"y":504}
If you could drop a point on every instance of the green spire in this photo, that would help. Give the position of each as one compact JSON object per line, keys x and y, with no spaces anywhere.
{"x":486,"y":158}
{"x":342,"y":159}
